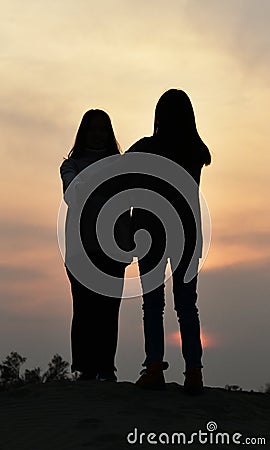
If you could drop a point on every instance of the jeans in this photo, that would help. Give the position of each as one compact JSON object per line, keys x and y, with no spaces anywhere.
{"x":185,"y":297}
{"x":94,"y":329}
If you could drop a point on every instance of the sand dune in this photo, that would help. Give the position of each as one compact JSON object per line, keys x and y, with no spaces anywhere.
{"x":90,"y":415}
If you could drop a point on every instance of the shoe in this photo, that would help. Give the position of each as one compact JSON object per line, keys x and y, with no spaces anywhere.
{"x":152,"y":377}
{"x":106,"y":377}
{"x":86,"y":376}
{"x":193,"y":383}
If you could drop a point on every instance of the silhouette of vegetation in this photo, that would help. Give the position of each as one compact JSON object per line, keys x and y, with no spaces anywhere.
{"x":58,"y":370}
{"x":10,"y":371}
{"x":32,"y":375}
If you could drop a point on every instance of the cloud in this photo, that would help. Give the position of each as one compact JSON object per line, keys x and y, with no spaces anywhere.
{"x":19,"y":274}
{"x":34,"y":128}
{"x":21,"y":236}
{"x":238,"y":298}
{"x":250,"y":238}
{"x":240,"y":26}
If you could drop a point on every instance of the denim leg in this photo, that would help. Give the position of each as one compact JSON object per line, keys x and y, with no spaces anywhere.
{"x":185,"y":297}
{"x":153,"y":309}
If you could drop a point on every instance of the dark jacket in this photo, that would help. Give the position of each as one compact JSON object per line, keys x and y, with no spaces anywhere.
{"x":143,"y":219}
{"x":72,"y":176}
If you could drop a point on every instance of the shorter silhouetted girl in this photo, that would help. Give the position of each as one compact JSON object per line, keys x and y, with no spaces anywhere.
{"x":94,"y":330}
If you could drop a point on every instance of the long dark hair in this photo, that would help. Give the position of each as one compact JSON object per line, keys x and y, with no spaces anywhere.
{"x":175,"y":129}
{"x":80,"y":140}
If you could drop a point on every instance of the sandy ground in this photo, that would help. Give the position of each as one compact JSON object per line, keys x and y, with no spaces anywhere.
{"x":92,"y":415}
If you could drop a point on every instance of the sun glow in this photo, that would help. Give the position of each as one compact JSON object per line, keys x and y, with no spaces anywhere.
{"x":208,"y":340}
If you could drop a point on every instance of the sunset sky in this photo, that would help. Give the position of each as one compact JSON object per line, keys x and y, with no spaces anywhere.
{"x":60,"y":58}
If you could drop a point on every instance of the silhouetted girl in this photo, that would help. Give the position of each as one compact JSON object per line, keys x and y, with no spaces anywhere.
{"x":94,"y":328}
{"x":175,"y":137}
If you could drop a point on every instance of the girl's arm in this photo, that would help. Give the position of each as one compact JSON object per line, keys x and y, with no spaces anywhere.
{"x":68,"y":172}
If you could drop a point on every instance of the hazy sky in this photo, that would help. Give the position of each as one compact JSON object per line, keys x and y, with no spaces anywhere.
{"x":62,"y":57}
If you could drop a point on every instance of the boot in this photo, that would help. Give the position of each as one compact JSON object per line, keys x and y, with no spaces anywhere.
{"x":152,"y":377}
{"x":193,"y":383}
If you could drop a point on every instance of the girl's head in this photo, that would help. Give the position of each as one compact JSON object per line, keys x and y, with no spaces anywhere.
{"x":95,"y":133}
{"x":175,"y":125}
{"x":174,"y":114}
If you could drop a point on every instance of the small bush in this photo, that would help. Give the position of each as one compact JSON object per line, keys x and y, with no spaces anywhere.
{"x":11,"y":367}
{"x":32,"y":375}
{"x":58,"y":370}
